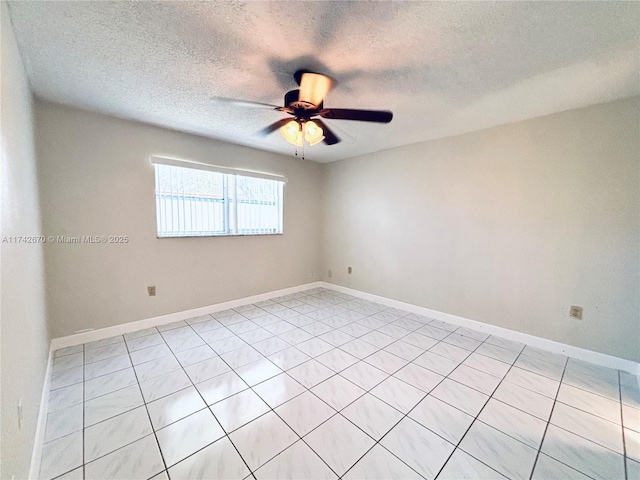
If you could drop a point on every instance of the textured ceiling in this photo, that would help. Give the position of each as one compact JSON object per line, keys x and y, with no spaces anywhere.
{"x":442,"y":68}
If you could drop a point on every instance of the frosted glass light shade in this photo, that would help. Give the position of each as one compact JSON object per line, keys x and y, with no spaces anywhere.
{"x":292,"y":133}
{"x":313,"y":133}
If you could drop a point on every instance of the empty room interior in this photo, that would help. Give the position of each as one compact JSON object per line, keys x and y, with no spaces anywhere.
{"x":320,"y":240}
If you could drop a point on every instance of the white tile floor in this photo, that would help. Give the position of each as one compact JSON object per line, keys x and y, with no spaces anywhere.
{"x":319,"y":384}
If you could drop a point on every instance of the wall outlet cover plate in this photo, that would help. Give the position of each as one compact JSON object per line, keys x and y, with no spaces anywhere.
{"x":575,"y":312}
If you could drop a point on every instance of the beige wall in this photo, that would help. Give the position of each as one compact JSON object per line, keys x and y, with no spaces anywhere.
{"x":96,"y":179}
{"x":23,"y":328}
{"x":509,"y":226}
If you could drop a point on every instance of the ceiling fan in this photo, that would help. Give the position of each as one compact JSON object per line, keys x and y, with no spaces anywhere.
{"x":306,"y":104}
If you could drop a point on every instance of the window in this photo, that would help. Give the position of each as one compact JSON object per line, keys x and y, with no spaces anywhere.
{"x":199,"y":200}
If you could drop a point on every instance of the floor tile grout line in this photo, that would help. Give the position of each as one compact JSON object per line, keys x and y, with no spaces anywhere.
{"x":110,"y":356}
{"x":529,"y":371}
{"x":422,"y":399}
{"x":145,"y":403}
{"x":388,"y":375}
{"x":71,"y":433}
{"x":208,"y":407}
{"x":489,"y":396}
{"x":337,"y":412}
{"x":546,"y":428}
{"x":57,"y":355}
{"x":406,"y":415}
{"x":307,"y":389}
{"x":119,"y":448}
{"x":380,"y":327}
{"x":396,"y":339}
{"x":453,"y":406}
{"x":517,"y":408}
{"x":153,"y":431}
{"x":579,"y":388}
{"x":590,"y":440}
{"x":581,"y":436}
{"x":157,"y":332}
{"x":378,"y":441}
{"x":355,"y":321}
{"x":123,"y":446}
{"x":259,"y":416}
{"x":476,"y":418}
{"x":624,"y":444}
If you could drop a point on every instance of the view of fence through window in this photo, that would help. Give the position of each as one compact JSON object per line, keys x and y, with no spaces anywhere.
{"x":195,"y":203}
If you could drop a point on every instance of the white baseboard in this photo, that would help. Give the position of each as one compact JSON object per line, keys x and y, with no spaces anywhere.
{"x":92,"y":335}
{"x":84,"y":337}
{"x":36,"y":454}
{"x":556,"y":347}
{"x":542,"y":343}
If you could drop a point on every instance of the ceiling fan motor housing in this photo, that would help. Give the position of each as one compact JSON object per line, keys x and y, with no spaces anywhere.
{"x":301,"y":108}
{"x":307,"y":103}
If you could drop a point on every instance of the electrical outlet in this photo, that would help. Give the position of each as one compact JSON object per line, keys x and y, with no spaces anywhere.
{"x":20,"y":417}
{"x":349,"y":270}
{"x":330,"y":274}
{"x":575,"y":312}
{"x":152,"y":290}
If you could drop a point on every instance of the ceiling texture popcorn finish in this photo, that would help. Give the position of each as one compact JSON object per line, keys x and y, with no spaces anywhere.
{"x":443,"y":68}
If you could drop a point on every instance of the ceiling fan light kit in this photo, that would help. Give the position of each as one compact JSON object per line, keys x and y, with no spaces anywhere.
{"x":305,"y":105}
{"x":293,"y":132}
{"x":313,"y":133}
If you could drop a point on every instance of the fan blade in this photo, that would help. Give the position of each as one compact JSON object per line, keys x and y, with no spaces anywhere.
{"x":378,"y":116}
{"x":244,"y":103}
{"x":330,"y":138}
{"x":314,"y":87}
{"x":274,"y":126}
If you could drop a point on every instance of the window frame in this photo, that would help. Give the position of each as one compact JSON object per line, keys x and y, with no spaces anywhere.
{"x":226,"y":199}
